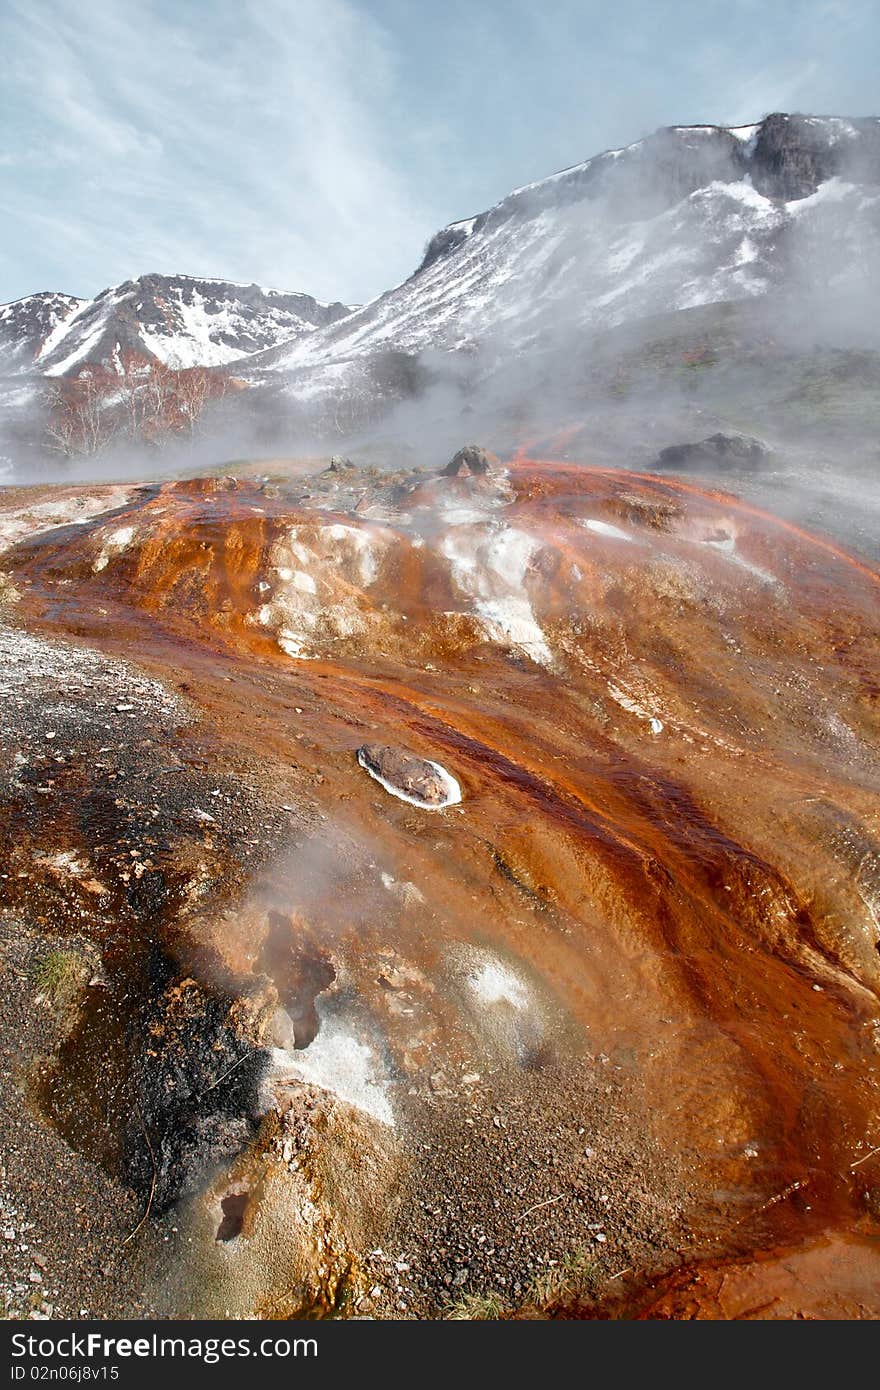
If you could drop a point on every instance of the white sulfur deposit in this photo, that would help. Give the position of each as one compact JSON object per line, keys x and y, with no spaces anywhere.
{"x":338,"y":1062}
{"x":494,"y":983}
{"x":604,"y":528}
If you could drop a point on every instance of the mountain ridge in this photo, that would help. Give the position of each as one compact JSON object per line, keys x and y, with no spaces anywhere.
{"x":180,"y":320}
{"x":688,"y":215}
{"x":683,"y":186}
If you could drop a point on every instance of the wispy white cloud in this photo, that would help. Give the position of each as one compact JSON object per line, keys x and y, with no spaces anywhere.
{"x":238,"y":139}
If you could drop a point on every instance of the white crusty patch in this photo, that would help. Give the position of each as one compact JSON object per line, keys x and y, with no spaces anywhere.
{"x":726,"y":545}
{"x":633,"y":707}
{"x":489,"y":565}
{"x":65,"y":862}
{"x":509,"y":1014}
{"x":604,"y":528}
{"x":340,"y":1063}
{"x":495,"y":983}
{"x":509,"y":553}
{"x":114,"y":543}
{"x":359,"y":543}
{"x":512,"y":620}
{"x":19,"y":523}
{"x":461,"y":514}
{"x":302,"y":619}
{"x":294,"y":645}
{"x":403,"y":889}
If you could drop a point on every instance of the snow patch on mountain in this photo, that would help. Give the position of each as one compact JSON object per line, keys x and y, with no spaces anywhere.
{"x":686,"y":217}
{"x":690,"y":216}
{"x":179,"y":320}
{"x":30,"y":327}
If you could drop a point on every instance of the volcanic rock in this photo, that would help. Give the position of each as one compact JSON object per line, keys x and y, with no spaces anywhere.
{"x":723,"y":449}
{"x":794,"y":154}
{"x":468,"y":461}
{"x":408,"y":776}
{"x":197,"y":1077}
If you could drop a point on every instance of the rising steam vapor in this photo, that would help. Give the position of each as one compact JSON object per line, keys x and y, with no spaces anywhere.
{"x":652,"y":296}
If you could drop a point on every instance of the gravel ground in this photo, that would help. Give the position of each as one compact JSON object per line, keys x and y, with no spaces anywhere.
{"x":64,"y":1223}
{"x":113,"y":807}
{"x":523,"y":1176}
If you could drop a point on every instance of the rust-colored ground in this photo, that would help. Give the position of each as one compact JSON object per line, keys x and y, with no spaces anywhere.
{"x":662,"y":707}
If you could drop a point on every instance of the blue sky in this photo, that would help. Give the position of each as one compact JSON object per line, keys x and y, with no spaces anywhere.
{"x":317,"y":144}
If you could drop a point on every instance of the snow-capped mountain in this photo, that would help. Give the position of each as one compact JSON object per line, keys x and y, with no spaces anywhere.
{"x":28,"y":325}
{"x":177,"y":319}
{"x":689,"y":216}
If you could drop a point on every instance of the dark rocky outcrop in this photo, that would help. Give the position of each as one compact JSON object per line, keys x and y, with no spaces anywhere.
{"x":794,"y":154}
{"x":720,"y":450}
{"x":195,"y":1083}
{"x":448,"y":239}
{"x":470,"y":460}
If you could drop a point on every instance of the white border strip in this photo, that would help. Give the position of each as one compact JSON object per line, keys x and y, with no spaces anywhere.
{"x":453,"y":790}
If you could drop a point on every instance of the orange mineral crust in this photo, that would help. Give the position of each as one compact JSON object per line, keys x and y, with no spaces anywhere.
{"x":644,"y":938}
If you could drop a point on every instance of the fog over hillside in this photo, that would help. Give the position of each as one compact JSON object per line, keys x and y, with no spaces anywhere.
{"x":702,"y":279}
